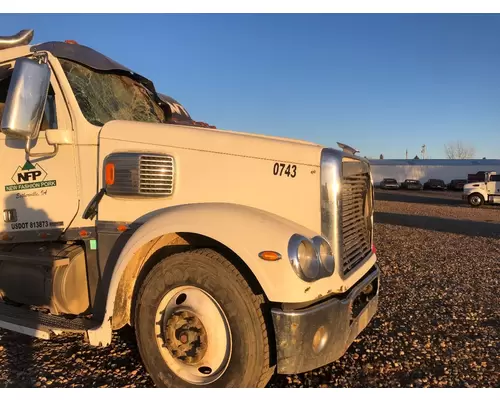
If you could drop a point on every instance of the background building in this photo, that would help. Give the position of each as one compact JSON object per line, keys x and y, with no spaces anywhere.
{"x":427,"y":169}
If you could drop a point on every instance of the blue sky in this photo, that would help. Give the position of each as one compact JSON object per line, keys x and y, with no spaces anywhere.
{"x":381,"y":83}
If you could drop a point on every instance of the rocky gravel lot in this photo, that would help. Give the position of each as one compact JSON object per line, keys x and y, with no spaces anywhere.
{"x":438,"y":323}
{"x":440,"y":205}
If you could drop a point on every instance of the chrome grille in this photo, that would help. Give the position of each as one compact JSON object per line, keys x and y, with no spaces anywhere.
{"x":356,"y":232}
{"x":156,"y":175}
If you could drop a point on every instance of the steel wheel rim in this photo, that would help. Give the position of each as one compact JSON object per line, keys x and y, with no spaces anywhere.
{"x":211,"y":341}
{"x":475,"y":200}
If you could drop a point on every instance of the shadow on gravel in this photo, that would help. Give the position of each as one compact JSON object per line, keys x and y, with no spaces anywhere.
{"x":419,"y":199}
{"x":19,"y":355}
{"x":462,"y":227}
{"x":127,"y":335}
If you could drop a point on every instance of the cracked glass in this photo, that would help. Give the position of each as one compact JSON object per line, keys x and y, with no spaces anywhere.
{"x":104,"y":96}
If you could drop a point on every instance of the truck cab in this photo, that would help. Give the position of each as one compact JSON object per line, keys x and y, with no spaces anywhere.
{"x":233,"y":255}
{"x":477,"y":193}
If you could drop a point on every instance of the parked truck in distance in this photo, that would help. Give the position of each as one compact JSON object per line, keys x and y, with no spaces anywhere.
{"x":233,"y":255}
{"x":487,"y":191}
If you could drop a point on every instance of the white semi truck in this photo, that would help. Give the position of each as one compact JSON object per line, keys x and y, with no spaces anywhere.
{"x":483,"y":191}
{"x":234,"y":256}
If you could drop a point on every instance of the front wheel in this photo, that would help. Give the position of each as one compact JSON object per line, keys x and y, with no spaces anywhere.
{"x":476,"y":200}
{"x":198,"y":324}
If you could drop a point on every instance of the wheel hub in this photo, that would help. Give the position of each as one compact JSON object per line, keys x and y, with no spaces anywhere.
{"x":193,"y":335}
{"x":185,"y":337}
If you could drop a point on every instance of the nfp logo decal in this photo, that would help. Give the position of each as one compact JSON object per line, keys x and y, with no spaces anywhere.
{"x":29,"y":177}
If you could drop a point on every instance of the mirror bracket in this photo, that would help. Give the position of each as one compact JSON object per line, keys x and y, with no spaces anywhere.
{"x":41,"y":56}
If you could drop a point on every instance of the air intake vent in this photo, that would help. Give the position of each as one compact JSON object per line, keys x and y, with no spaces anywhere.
{"x":140,"y":174}
{"x":156,"y":175}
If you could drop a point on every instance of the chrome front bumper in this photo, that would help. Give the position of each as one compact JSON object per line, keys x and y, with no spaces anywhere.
{"x":312,"y":337}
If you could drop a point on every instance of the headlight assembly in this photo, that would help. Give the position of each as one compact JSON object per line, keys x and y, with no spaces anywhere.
{"x":325,"y":254}
{"x":304,"y":258}
{"x":310,"y":259}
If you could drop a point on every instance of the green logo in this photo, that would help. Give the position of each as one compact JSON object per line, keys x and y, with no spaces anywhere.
{"x":29,"y":176}
{"x":28,"y":166}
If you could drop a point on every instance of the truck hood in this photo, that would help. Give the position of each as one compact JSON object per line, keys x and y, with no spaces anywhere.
{"x":214,"y":140}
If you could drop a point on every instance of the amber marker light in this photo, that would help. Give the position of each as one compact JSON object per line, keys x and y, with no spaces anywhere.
{"x":110,"y":174}
{"x":5,"y":236}
{"x":269,"y":255}
{"x":122,"y":228}
{"x":83,"y":233}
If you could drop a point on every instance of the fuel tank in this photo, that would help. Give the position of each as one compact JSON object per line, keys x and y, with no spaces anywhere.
{"x":51,"y":276}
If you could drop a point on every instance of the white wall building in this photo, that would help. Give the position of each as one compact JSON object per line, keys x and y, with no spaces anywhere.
{"x":429,"y":169}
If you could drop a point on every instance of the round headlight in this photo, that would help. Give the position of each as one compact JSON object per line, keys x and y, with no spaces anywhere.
{"x":303,"y":258}
{"x":325,"y":254}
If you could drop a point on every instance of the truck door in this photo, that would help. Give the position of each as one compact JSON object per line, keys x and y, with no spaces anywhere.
{"x":494,"y":187}
{"x":39,"y":196}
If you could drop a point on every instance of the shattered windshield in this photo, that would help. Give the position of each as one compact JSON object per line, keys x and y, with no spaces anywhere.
{"x":104,"y":96}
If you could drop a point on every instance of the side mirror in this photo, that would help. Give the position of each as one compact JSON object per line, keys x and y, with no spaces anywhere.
{"x":26,"y":99}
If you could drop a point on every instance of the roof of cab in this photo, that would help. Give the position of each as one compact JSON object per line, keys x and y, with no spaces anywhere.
{"x":98,"y":61}
{"x":91,"y":58}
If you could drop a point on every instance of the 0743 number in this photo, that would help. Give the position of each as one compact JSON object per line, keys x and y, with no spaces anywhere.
{"x":285,"y":169}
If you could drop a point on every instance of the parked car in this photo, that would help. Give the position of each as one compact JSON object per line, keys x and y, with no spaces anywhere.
{"x":457,"y":184}
{"x":411,"y":184}
{"x":389,"y":183}
{"x":435,"y":184}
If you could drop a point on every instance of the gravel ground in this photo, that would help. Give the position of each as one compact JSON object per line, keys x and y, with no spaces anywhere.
{"x":448,"y":205}
{"x":438,"y":323}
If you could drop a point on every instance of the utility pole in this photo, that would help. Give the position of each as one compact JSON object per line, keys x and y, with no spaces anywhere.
{"x":423,"y":152}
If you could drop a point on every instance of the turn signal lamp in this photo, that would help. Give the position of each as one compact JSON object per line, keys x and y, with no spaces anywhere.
{"x":110,"y":174}
{"x":269,"y":255}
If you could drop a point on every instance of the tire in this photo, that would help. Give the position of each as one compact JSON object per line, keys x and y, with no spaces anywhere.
{"x":203,"y":272}
{"x":476,"y":200}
